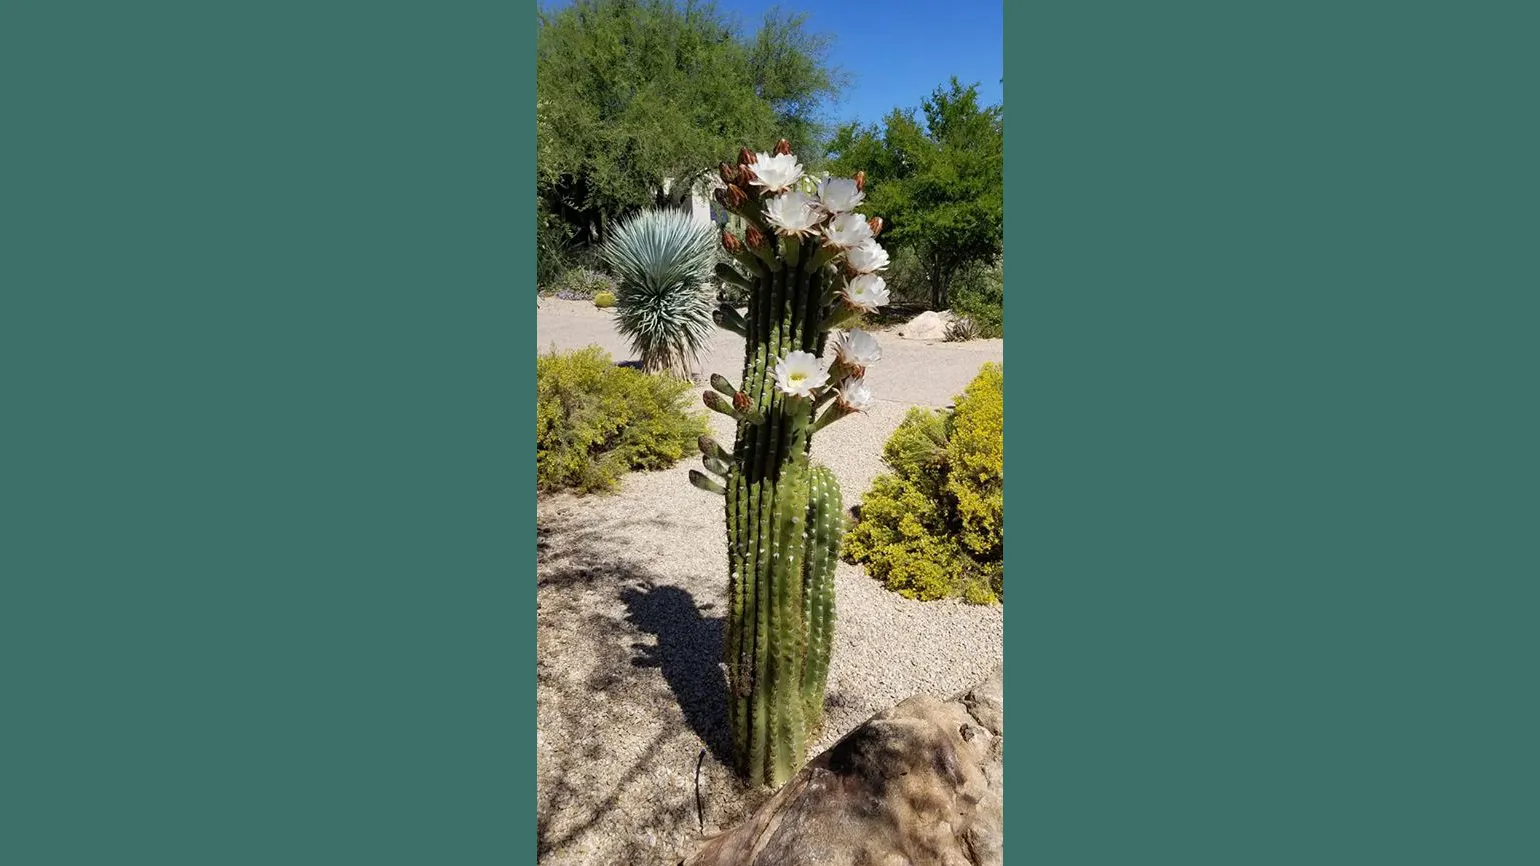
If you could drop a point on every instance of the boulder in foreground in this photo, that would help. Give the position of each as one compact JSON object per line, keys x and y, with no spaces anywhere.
{"x":920,"y":784}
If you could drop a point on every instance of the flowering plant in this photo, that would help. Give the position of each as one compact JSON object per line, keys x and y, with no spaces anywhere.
{"x":810,"y":263}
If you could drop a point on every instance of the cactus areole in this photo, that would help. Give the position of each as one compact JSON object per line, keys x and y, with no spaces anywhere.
{"x":810,"y":264}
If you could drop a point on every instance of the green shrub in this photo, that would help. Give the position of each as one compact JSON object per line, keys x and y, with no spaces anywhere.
{"x":905,"y":279}
{"x":596,"y":421}
{"x":604,"y":300}
{"x":553,"y":240}
{"x":979,"y":294}
{"x":579,"y":282}
{"x":976,"y":464}
{"x":932,"y":528}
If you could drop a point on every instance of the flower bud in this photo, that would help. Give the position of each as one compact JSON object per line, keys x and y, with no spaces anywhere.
{"x":756,"y":241}
{"x":876,"y":224}
{"x":783,"y":147}
{"x":731,"y":243}
{"x":746,"y":156}
{"x":741,"y":402}
{"x":734,"y":197}
{"x":860,"y":181}
{"x":728,"y":173}
{"x":717,"y":403}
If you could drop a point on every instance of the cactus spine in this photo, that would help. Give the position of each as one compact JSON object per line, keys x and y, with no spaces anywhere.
{"x":808,"y":263}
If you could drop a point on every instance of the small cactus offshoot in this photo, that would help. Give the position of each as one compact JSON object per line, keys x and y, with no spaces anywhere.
{"x":810,"y":264}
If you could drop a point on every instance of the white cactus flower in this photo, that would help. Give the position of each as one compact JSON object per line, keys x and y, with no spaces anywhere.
{"x":857,"y":348}
{"x":868,"y":292}
{"x":793,"y":214}
{"x":776,"y":172}
{"x":848,"y":230}
{"x":867,"y":257}
{"x":839,"y":195}
{"x":855,"y":394}
{"x":799,"y":373}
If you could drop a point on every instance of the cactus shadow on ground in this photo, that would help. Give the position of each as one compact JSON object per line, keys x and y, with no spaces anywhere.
{"x":670,"y":614}
{"x":687,"y":654}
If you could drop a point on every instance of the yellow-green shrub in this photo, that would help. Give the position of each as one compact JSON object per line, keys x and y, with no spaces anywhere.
{"x":596,"y":421}
{"x":976,"y":459}
{"x":932,"y":527}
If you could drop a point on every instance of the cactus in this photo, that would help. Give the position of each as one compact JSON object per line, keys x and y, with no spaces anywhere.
{"x":809,"y":265}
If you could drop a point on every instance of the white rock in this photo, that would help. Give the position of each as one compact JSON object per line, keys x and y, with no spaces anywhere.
{"x":931,"y":326}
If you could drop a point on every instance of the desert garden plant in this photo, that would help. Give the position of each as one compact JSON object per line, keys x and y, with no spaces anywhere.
{"x":809,"y":264}
{"x":596,"y":421}
{"x":663,"y":262}
{"x":962,"y":330}
{"x":580,"y":283}
{"x":933,"y":526}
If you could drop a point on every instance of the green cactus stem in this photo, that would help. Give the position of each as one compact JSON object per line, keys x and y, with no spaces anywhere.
{"x":784,"y":516}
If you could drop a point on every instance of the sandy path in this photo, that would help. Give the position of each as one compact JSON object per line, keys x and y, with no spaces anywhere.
{"x":630,"y":630}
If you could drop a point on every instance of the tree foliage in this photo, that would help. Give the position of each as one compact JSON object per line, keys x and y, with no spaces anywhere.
{"x":937,"y":181}
{"x":633,"y":92}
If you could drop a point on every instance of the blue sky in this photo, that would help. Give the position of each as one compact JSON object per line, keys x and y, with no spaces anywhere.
{"x":895,"y":53}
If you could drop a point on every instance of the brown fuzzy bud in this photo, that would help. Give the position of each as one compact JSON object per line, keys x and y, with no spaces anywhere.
{"x":756,"y":241}
{"x":783,"y":148}
{"x":860,"y":181}
{"x":741,"y":402}
{"x":731,"y":243}
{"x":876,"y":224}
{"x":728,"y":173}
{"x":735,"y":197}
{"x":746,"y":156}
{"x":715,"y":402}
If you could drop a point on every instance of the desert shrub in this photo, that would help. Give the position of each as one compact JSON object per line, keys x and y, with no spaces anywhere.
{"x":905,"y":279}
{"x":596,"y":421}
{"x":932,"y":527}
{"x":604,"y":300}
{"x":553,"y":240}
{"x":581,"y":283}
{"x":979,"y":296}
{"x":976,"y":464}
{"x":663,"y":262}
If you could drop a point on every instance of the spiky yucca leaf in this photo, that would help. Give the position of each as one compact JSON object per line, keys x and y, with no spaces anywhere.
{"x":663,"y":261}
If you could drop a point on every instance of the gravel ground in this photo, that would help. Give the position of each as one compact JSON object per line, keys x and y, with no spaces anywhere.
{"x":631,"y":696}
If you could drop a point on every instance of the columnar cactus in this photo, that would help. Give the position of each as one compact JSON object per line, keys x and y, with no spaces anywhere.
{"x":810,"y":264}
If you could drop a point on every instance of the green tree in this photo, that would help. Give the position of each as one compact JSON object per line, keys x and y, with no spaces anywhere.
{"x":637,"y":93}
{"x":938,"y":183}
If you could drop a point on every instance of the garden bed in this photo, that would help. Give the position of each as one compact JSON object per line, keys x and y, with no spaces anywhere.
{"x":630,"y":625}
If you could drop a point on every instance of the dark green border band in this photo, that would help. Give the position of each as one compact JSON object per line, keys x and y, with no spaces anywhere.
{"x":1272,"y":432}
{"x":267,"y":403}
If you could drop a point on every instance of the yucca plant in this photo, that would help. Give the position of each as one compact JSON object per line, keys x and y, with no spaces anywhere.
{"x":663,"y":262}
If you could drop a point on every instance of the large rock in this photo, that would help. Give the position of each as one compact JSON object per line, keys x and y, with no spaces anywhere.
{"x":918,"y":785}
{"x":927,"y":326}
